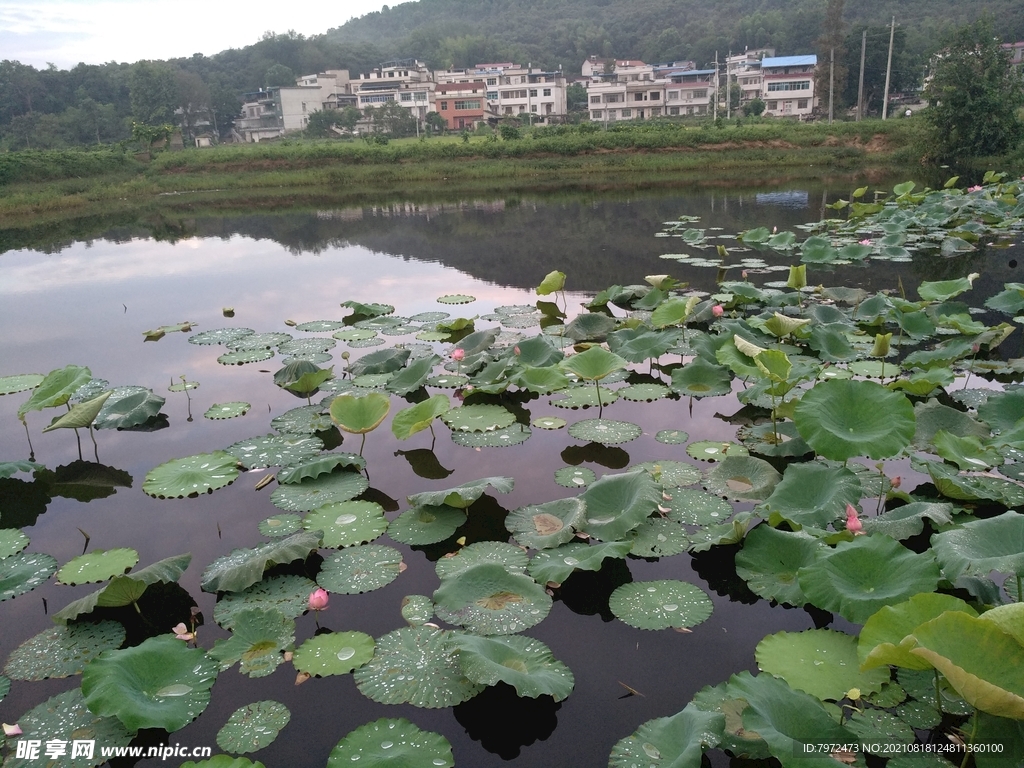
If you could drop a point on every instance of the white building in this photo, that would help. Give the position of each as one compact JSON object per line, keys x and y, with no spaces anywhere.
{"x":406,"y":82}
{"x":515,"y":91}
{"x":788,"y":85}
{"x":744,"y":70}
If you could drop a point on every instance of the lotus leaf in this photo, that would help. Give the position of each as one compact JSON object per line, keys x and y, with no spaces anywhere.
{"x":813,"y":494}
{"x":392,"y":743}
{"x":355,"y":334}
{"x":831,"y":344}
{"x":244,"y":567}
{"x":660,"y":604}
{"x":413,"y":376}
{"x":157,"y":684}
{"x":416,"y":665}
{"x":553,"y":566}
{"x":657,"y":537}
{"x":858,"y":577}
{"x":321,"y":464}
{"x":548,"y":422}
{"x":63,"y":651}
{"x":639,"y":344}
{"x":448,"y":381}
{"x":644,"y":393}
{"x":671,"y":474}
{"x":288,"y":594}
{"x":24,"y":572}
{"x":12,"y":541}
{"x":908,"y":520}
{"x":5,"y":687}
{"x":594,"y":364}
{"x":543,"y":381}
{"x":944,"y":290}
{"x":462,"y":496}
{"x":360,"y":569}
{"x":55,"y":389}
{"x":384,"y":361}
{"x":231,"y":410}
{"x":324,"y":489}
{"x":881,"y":639}
{"x":605,"y":431}
{"x":334,"y":653}
{"x":821,"y":662}
{"x":709,"y":450}
{"x":616,"y":504}
{"x":970,"y":487}
{"x":966,"y":452}
{"x":918,"y":714}
{"x":743,"y":477}
{"x":693,"y":507}
{"x":771,"y":559}
{"x":546,"y":525}
{"x":347,"y":523}
{"x":191,"y":476}
{"x":843,"y":419}
{"x":522,"y":662}
{"x":274,"y":450}
{"x":585,"y":397}
{"x":67,"y":714}
{"x":1002,"y":410}
{"x":374,"y":381}
{"x":21,"y":382}
{"x":981,"y":546}
{"x":574,"y":477}
{"x":97,"y":566}
{"x":243,"y":356}
{"x":498,"y":438}
{"x":673,"y":312}
{"x":219,"y":336}
{"x":80,"y":416}
{"x":426,"y":524}
{"x":488,"y":599}
{"x":360,"y":415}
{"x":670,"y":742}
{"x":257,"y":341}
{"x":477,"y":418}
{"x":304,"y":420}
{"x":511,"y":558}
{"x":253,"y":727}
{"x":880,"y":731}
{"x":259,"y":635}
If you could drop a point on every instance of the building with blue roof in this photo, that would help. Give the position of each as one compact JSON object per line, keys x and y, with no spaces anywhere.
{"x":787,"y":85}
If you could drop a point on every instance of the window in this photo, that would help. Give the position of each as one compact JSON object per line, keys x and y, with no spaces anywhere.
{"x":627,"y":113}
{"x":595,"y":99}
{"x":492,"y":95}
{"x":673,"y":96}
{"x":444,"y":106}
{"x":533,"y":107}
{"x":597,"y":114}
{"x":801,"y":103}
{"x":638,"y":97}
{"x":655,"y":111}
{"x":492,"y":81}
{"x":508,"y":110}
{"x":474,"y":104}
{"x":673,"y":110}
{"x":406,"y":97}
{"x":513,"y":94}
{"x":612,"y":98}
{"x":655,"y":95}
{"x":773,"y":105}
{"x":547,"y":91}
{"x":701,"y":93}
{"x":522,"y":108}
{"x":611,"y":114}
{"x":303,"y":106}
{"x":379,"y":99}
{"x":533,"y":92}
{"x":421,"y":95}
{"x":391,"y":74}
{"x":689,"y":95}
{"x":800,"y":85}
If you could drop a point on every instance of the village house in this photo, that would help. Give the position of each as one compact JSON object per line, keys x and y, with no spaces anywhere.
{"x":512,"y":90}
{"x":788,"y":85}
{"x":463,"y":105}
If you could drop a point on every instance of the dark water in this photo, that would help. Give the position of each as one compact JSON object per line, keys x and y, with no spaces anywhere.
{"x":88,"y":303}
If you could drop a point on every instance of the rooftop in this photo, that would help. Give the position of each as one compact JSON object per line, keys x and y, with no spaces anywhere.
{"x":789,"y":61}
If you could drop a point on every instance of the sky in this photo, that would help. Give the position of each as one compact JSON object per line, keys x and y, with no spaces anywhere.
{"x":66,"y":32}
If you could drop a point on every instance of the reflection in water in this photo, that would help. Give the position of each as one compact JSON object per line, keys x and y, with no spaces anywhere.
{"x":587,"y":592}
{"x":503,"y":723}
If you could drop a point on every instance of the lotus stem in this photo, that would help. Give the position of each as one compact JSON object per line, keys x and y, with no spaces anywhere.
{"x":95,"y":446}
{"x":31,"y":450}
{"x":938,"y":694}
{"x":1020,"y":595}
{"x":78,"y":437}
{"x":362,"y":444}
{"x":600,"y":405}
{"x":974,"y":733}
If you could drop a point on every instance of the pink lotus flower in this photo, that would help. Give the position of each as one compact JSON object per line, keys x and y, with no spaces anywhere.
{"x":976,"y":188}
{"x":718,"y":310}
{"x":12,"y":730}
{"x":181,"y":632}
{"x":318,"y":599}
{"x":458,"y":354}
{"x":895,"y":482}
{"x":853,"y":523}
{"x":743,"y":274}
{"x":865,"y":242}
{"x":516,"y":350}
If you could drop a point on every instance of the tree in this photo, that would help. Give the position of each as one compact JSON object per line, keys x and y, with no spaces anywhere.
{"x":576,"y":98}
{"x":321,"y":124}
{"x":974,"y":95}
{"x":154,"y":92}
{"x":193,"y":100}
{"x":831,"y":41}
{"x":754,"y":107}
{"x":436,"y":123}
{"x":904,"y":72}
{"x":279,"y":75}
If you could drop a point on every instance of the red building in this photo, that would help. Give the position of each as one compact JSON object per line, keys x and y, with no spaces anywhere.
{"x":462,"y":105}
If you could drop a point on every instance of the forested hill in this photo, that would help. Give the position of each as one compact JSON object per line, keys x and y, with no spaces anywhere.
{"x":564,"y":32}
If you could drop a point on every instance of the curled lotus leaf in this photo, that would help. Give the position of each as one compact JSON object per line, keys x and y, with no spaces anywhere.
{"x":360,"y":415}
{"x":742,"y":477}
{"x":310,"y":494}
{"x":418,"y":666}
{"x":12,"y":541}
{"x":159,"y":683}
{"x":244,"y":567}
{"x":553,"y":566}
{"x":388,"y":360}
{"x":543,"y":381}
{"x":253,"y":727}
{"x":546,"y":525}
{"x":231,"y":410}
{"x":426,"y":524}
{"x":616,"y":504}
{"x":574,"y":477}
{"x":585,"y":397}
{"x":219,"y":335}
{"x":409,"y":421}
{"x":393,"y":742}
{"x":191,"y":476}
{"x":128,"y":407}
{"x":553,"y":282}
{"x":347,"y":523}
{"x":880,"y":643}
{"x":98,"y":565}
{"x":24,"y":572}
{"x":318,"y":465}
{"x":287,"y":593}
{"x":678,"y":741}
{"x":413,"y":376}
{"x":478,"y":418}
{"x":63,"y":651}
{"x":274,"y":450}
{"x":464,"y":495}
{"x":510,"y":557}
{"x":813,"y":494}
{"x":55,"y":389}
{"x":605,"y":431}
{"x":21,"y":382}
{"x":693,"y":507}
{"x":417,"y":609}
{"x":660,"y":604}
{"x":658,"y":537}
{"x":334,"y":653}
{"x":258,"y":638}
{"x":591,"y":326}
{"x":771,"y":559}
{"x":702,"y":379}
{"x":498,"y":438}
{"x":488,"y":599}
{"x":522,"y":662}
{"x":367,"y":310}
{"x":360,"y":569}
{"x":908,"y":520}
{"x":981,"y":546}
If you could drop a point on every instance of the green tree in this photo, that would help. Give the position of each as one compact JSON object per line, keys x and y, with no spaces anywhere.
{"x":754,"y":107}
{"x":832,"y":40}
{"x":436,"y":123}
{"x":154,"y":92}
{"x":974,"y":95}
{"x":576,"y":98}
{"x":279,"y":75}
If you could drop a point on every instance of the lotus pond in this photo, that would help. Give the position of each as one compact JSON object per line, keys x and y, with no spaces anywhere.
{"x":737,"y":486}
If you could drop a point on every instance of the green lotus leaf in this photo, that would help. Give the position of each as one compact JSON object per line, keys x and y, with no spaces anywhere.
{"x":673,"y":312}
{"x":859,"y":577}
{"x":553,"y":282}
{"x":55,"y":389}
{"x":243,"y":356}
{"x":244,"y":567}
{"x":316,"y":466}
{"x":813,"y":494}
{"x":908,"y":520}
{"x":288,"y":594}
{"x":814,"y":250}
{"x":543,"y":381}
{"x":1009,"y":618}
{"x":128,"y":407}
{"x":660,"y":604}
{"x":1000,"y":735}
{"x":97,"y":566}
{"x":657,"y":537}
{"x":80,"y":416}
{"x":12,"y":541}
{"x":159,"y":683}
{"x":743,"y":477}
{"x":498,"y":438}
{"x":574,"y":477}
{"x":413,"y":376}
{"x":878,"y":729}
{"x":360,"y":569}
{"x":944,"y":290}
{"x":375,"y":381}
{"x":253,"y":727}
{"x":462,"y":496}
{"x":257,"y":341}
{"x":640,"y":344}
{"x":309,"y":382}
{"x":298,"y":349}
{"x":416,"y":665}
{"x":522,"y":662}
{"x":553,"y":566}
{"x":67,"y":714}
{"x":477,"y":418}
{"x":219,"y":336}
{"x":347,"y":523}
{"x":324,"y":489}
{"x":881,"y":638}
{"x":282,"y":524}
{"x":669,"y":473}
{"x":24,"y":572}
{"x":953,"y":485}
{"x":456,"y":298}
{"x":701,"y":379}
{"x":644,"y":393}
{"x":124,"y":590}
{"x":546,"y":525}
{"x":274,"y":450}
{"x":304,"y":420}
{"x":670,"y":742}
{"x":923,"y":383}
{"x":259,"y":636}
{"x":982,"y":663}
{"x":513,"y":559}
{"x":711,"y":450}
{"x":843,"y":419}
{"x":594,"y":364}
{"x":383,"y":361}
{"x":360,"y":415}
{"x":585,"y":397}
{"x":191,"y":476}
{"x":755,"y":236}
{"x":354,"y":334}
{"x":771,"y":559}
{"x":781,"y":325}
{"x":981,"y":546}
{"x":21,"y":382}
{"x":5,"y":687}
{"x":548,"y":422}
{"x":417,"y":609}
{"x":821,"y":662}
{"x":426,"y":524}
{"x":589,"y":326}
{"x":616,"y":504}
{"x":488,"y":599}
{"x":392,"y":743}
{"x":831,"y":344}
{"x":231,"y":410}
{"x":538,"y":352}
{"x":334,"y":653}
{"x":367,"y":310}
{"x":966,"y":452}
{"x":693,"y":507}
{"x":62,"y":651}
{"x":605,"y":431}
{"x":1002,"y":410}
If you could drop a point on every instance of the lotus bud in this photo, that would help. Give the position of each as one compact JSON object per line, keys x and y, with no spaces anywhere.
{"x":458,"y":354}
{"x":516,"y":350}
{"x":853,"y":523}
{"x":346,"y":355}
{"x":318,"y":599}
{"x":865,"y":242}
{"x":881,"y":348}
{"x":895,"y":482}
{"x":12,"y":730}
{"x":853,"y":694}
{"x":797,"y":277}
{"x":743,"y":274}
{"x":775,"y":230}
{"x":718,"y":310}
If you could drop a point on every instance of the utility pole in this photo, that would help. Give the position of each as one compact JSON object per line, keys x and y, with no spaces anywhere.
{"x":716,"y":86}
{"x":860,"y":85}
{"x":728,"y":89}
{"x":831,"y":80}
{"x":888,"y":70}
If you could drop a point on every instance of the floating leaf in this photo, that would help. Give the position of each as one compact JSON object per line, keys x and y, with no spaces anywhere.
{"x":347,"y":523}
{"x":243,"y":356}
{"x":324,"y":489}
{"x":318,"y":465}
{"x":21,"y":382}
{"x":461,"y":496}
{"x":693,"y":507}
{"x":287,"y":593}
{"x":191,"y":476}
{"x":511,"y":558}
{"x":548,"y":422}
{"x":670,"y":742}
{"x":304,"y":420}
{"x":98,"y":565}
{"x":574,"y":477}
{"x":24,"y":572}
{"x":62,"y":651}
{"x":660,"y":604}
{"x":274,"y":450}
{"x":671,"y":474}
{"x":585,"y":397}
{"x":522,"y":662}
{"x":743,"y":477}
{"x":488,"y":599}
{"x":244,"y":567}
{"x":546,"y":525}
{"x":771,"y":559}
{"x":553,"y":566}
{"x":394,"y":743}
{"x":334,"y":653}
{"x":253,"y":727}
{"x":710,"y":450}
{"x":417,"y":609}
{"x":360,"y":415}
{"x":821,"y":662}
{"x":456,"y":298}
{"x":360,"y":569}
{"x":426,"y":524}
{"x":657,"y":537}
{"x":12,"y":541}
{"x":231,"y":410}
{"x":477,"y":418}
{"x":258,"y":638}
{"x":124,"y":590}
{"x":605,"y":431}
